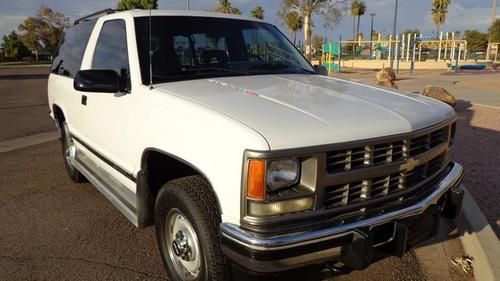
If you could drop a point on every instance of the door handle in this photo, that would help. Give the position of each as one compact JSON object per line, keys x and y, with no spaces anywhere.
{"x":84,"y":99}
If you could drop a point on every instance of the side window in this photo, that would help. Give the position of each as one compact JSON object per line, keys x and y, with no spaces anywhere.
{"x":68,"y":59}
{"x":111,"y":50}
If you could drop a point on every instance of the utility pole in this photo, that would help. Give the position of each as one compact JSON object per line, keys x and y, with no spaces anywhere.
{"x":371,"y":36}
{"x":187,"y":5}
{"x":493,"y":19}
{"x":394,"y":27}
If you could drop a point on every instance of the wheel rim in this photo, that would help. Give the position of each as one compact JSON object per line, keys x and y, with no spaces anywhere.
{"x":182,"y":246}
{"x":69,"y":147}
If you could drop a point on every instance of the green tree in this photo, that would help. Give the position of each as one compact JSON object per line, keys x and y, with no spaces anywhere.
{"x":44,"y":31}
{"x":330,"y":10}
{"x":494,"y":31}
{"x":137,"y":4}
{"x":412,"y":31}
{"x":317,"y":43}
{"x":476,"y":40}
{"x":13,"y":47}
{"x":257,"y":12}
{"x":439,"y":11}
{"x":294,"y":23}
{"x":226,"y":8}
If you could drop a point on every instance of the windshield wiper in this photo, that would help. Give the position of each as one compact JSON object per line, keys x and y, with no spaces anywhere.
{"x":279,"y":66}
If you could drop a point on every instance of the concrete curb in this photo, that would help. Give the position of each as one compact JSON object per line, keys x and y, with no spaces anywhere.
{"x":18,"y":143}
{"x":487,"y":106}
{"x":479,"y":241}
{"x":24,"y":65}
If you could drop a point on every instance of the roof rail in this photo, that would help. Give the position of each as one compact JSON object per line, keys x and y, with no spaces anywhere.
{"x":98,"y":13}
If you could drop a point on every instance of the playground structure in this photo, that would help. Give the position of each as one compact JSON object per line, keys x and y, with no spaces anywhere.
{"x":400,"y":48}
{"x":494,"y":51}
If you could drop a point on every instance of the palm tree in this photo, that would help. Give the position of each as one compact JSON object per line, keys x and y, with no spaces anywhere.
{"x":358,"y":8}
{"x":226,"y":8}
{"x":439,"y":10}
{"x":294,"y":22}
{"x":257,"y":12}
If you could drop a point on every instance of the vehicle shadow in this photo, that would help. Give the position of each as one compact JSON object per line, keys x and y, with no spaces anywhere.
{"x":477,"y":150}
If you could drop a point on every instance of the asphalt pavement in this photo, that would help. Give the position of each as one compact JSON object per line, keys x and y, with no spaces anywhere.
{"x":23,"y":102}
{"x":53,"y":229}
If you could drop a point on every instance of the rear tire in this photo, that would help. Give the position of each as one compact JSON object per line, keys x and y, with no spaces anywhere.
{"x":69,"y":153}
{"x":187,"y":230}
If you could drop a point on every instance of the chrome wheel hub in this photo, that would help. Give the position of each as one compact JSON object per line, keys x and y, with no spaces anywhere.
{"x":182,"y":246}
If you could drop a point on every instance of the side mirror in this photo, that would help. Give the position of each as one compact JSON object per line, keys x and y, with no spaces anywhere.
{"x":97,"y":80}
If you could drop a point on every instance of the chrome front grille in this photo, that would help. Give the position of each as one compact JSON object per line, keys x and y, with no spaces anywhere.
{"x":391,"y":168}
{"x":366,"y":189}
{"x":370,"y":155}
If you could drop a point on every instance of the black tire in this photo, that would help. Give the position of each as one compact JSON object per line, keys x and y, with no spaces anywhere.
{"x":192,"y":198}
{"x":66,"y":141}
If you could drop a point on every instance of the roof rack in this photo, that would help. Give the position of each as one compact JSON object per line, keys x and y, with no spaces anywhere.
{"x":93,"y":15}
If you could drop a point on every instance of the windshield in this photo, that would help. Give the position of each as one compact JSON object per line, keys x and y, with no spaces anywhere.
{"x":185,"y":48}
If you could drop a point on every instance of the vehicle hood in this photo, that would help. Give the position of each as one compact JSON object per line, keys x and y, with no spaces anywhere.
{"x":298,"y":110}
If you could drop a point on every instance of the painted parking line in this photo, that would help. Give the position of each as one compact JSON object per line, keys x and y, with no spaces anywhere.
{"x":18,"y":143}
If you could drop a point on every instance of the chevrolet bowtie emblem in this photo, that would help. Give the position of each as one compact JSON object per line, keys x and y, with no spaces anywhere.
{"x":410,"y":164}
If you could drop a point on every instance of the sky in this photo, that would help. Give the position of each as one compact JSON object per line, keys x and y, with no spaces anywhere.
{"x":462,"y":14}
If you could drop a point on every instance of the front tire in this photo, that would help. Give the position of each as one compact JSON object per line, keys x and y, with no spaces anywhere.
{"x":69,"y":153}
{"x":187,"y":230}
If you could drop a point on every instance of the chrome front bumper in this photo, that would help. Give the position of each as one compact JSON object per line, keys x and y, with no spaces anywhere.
{"x":245,"y":248}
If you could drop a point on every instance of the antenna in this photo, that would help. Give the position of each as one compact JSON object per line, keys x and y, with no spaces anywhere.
{"x":150,"y":55}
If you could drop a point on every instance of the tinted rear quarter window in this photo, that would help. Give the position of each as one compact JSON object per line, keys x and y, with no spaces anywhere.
{"x":111,"y":50}
{"x":68,"y":59}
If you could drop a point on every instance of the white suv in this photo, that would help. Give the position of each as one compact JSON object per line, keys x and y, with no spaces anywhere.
{"x":217,"y":130}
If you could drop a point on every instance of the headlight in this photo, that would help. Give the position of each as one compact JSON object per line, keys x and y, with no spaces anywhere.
{"x":282,"y":174}
{"x":269,"y":184}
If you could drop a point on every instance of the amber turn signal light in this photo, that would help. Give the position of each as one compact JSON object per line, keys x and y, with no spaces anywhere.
{"x":256,"y":184}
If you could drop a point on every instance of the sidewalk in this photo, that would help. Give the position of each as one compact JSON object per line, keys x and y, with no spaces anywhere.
{"x":482,"y":89}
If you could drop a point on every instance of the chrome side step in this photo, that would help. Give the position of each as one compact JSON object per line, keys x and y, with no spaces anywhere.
{"x":119,"y":195}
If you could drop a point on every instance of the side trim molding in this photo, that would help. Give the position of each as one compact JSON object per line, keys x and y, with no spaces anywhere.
{"x":119,"y":169}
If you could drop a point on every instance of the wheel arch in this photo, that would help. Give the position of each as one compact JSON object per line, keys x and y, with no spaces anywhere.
{"x":58,"y":114}
{"x":153,"y":175}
